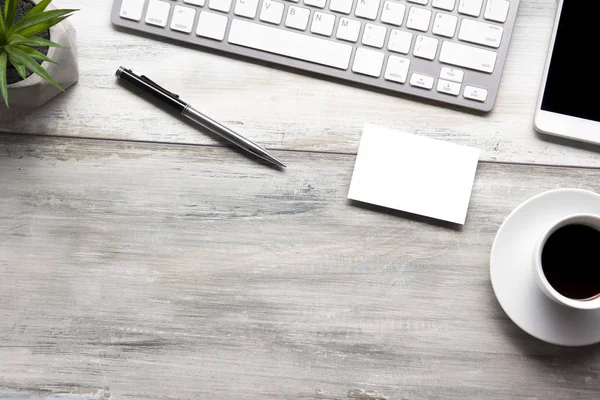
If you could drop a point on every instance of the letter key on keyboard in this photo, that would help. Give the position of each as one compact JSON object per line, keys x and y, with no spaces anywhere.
{"x":452,"y":51}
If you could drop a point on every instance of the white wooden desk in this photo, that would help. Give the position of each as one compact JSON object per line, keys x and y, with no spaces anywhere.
{"x":142,"y":259}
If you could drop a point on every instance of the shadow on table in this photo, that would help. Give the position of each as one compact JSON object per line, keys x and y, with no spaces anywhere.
{"x":15,"y":120}
{"x":406,"y":215}
{"x":545,"y":353}
{"x":594,"y":148}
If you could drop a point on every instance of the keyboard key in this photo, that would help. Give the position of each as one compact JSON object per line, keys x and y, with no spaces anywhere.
{"x":342,"y":6}
{"x":297,"y":17}
{"x":397,"y":69}
{"x":444,"y":24}
{"x":448,"y":87}
{"x":475,"y":93}
{"x":470,"y":7}
{"x":348,"y":29}
{"x":468,"y":57}
{"x":131,"y":9}
{"x":220,"y":5}
{"x":393,"y":13}
{"x":418,"y":18}
{"x":425,"y":47}
{"x":447,"y":5}
{"x":451,"y":74}
{"x":271,"y":11}
{"x":496,"y":10}
{"x":195,"y":2}
{"x":158,"y":13}
{"x":211,"y":25}
{"x":423,"y":2}
{"x":480,"y":33}
{"x":246,"y":8}
{"x":374,"y":35}
{"x":316,"y":3}
{"x":183,"y":19}
{"x":323,"y":24}
{"x":368,"y":62}
{"x":421,"y":81}
{"x":400,"y":41}
{"x":367,"y":9}
{"x":290,"y":44}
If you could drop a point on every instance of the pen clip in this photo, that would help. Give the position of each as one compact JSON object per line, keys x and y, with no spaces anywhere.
{"x":157,"y":86}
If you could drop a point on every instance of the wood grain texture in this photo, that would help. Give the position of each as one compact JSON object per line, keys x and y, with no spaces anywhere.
{"x":143,"y":271}
{"x":284,"y":110}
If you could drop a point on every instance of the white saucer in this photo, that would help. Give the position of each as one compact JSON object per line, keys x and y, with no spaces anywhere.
{"x":512,"y":271}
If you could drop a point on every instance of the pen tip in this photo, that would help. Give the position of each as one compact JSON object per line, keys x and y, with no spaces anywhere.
{"x":274,"y":160}
{"x":279,"y":163}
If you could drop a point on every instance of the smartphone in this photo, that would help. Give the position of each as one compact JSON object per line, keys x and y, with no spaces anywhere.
{"x":569,"y":102}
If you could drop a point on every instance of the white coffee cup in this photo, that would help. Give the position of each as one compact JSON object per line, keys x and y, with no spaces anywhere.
{"x":590,"y":220}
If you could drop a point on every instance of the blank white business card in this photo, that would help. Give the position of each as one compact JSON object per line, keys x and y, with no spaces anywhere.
{"x":414,"y":174}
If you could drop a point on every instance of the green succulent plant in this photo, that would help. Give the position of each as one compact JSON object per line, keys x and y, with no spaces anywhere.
{"x":18,"y":39}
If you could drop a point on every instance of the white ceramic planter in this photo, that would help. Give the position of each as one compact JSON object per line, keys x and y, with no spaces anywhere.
{"x":34,"y":91}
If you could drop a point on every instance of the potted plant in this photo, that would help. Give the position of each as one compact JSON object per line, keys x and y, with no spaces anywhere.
{"x":38,"y":56}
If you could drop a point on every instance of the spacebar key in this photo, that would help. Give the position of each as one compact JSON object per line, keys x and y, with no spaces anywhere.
{"x":290,"y":44}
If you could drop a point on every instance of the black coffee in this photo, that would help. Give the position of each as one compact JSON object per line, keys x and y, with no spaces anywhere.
{"x":571,"y":261}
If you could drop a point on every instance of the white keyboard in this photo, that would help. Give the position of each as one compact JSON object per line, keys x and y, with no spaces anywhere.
{"x":445,"y":50}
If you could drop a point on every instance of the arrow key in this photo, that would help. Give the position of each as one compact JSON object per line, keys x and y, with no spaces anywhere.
{"x":421,"y":81}
{"x":447,"y":87}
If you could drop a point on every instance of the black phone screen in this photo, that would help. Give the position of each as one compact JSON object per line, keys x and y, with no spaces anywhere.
{"x":573,"y":83}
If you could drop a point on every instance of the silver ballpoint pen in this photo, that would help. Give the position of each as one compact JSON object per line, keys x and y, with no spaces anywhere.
{"x":172,"y":100}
